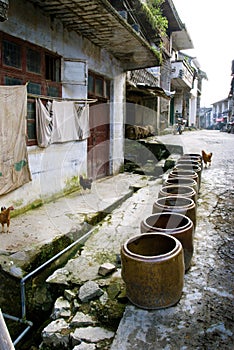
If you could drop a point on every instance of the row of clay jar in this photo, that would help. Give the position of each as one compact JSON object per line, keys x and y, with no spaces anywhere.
{"x":154,"y":262}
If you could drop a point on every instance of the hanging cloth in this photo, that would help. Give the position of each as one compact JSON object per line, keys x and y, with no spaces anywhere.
{"x":43,"y":123}
{"x":63,"y":121}
{"x":70,"y":122}
{"x":82,"y":113}
{"x":14,"y":167}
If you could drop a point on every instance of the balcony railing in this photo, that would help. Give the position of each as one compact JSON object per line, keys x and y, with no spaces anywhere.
{"x":142,"y":76}
{"x":182,"y":74}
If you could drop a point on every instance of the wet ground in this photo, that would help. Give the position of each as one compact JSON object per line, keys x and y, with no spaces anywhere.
{"x":203,"y":319}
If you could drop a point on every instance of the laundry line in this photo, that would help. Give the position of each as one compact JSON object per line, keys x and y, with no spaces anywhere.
{"x":76,"y":100}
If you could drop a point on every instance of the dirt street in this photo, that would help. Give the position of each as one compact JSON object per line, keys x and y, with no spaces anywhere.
{"x":203,"y":319}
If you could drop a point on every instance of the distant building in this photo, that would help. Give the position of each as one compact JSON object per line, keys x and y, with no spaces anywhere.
{"x":221,"y":112}
{"x":205,"y":117}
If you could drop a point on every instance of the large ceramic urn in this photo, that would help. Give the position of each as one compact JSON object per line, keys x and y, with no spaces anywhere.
{"x":178,"y":190}
{"x":175,"y":224}
{"x":176,"y":204}
{"x":182,"y":181}
{"x":153,"y":270}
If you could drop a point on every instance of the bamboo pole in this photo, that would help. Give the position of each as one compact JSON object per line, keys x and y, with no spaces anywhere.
{"x":5,"y":339}
{"x":81,"y":100}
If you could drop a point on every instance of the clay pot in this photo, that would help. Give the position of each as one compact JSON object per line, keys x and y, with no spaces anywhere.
{"x":178,"y":225}
{"x":176,"y":204}
{"x":194,"y":157}
{"x":190,"y":166}
{"x":191,"y":174}
{"x":178,"y":190}
{"x":184,"y":181}
{"x":153,"y":270}
{"x":189,"y":161}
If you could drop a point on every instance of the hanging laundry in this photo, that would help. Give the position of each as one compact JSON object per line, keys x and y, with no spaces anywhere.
{"x":63,"y":121}
{"x":43,"y":123}
{"x":69,"y":122}
{"x":82,"y":113}
{"x":14,"y":166}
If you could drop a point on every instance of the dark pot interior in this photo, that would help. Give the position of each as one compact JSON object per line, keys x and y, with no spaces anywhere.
{"x":167,"y":221}
{"x":187,"y":166}
{"x":184,"y":190}
{"x":175,"y":181}
{"x":151,"y":245}
{"x":183,"y":172}
{"x":174,"y":201}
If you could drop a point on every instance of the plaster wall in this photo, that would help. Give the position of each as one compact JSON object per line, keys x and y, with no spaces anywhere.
{"x":178,"y":103}
{"x":193,"y":104}
{"x":192,"y":111}
{"x":57,"y":167}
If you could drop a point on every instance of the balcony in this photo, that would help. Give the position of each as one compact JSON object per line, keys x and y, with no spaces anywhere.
{"x":182,"y":75}
{"x":103,"y":25}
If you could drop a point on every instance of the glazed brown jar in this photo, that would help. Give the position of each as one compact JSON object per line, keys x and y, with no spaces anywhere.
{"x":153,"y":270}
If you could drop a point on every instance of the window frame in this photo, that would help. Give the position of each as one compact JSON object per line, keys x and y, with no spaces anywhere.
{"x":106,"y":85}
{"x":25,"y":76}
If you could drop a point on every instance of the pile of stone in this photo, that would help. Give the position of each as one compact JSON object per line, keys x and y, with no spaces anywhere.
{"x":80,"y":317}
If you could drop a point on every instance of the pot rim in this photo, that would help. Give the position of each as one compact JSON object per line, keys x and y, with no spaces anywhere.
{"x":184,"y":173}
{"x":191,"y":182}
{"x":192,"y":192}
{"x":175,"y":230}
{"x":192,"y":154}
{"x":180,"y":178}
{"x":160,"y":257}
{"x":189,"y":161}
{"x":190,"y":204}
{"x":194,"y":167}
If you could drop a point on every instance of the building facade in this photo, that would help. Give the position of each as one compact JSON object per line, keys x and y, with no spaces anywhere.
{"x":76,"y":58}
{"x":88,"y":68}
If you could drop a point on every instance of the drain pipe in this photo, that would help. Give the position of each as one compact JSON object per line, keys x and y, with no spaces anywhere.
{"x":20,"y":320}
{"x":39,"y":268}
{"x":32,"y":273}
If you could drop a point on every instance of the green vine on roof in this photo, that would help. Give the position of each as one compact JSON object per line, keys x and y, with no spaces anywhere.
{"x":155,"y":17}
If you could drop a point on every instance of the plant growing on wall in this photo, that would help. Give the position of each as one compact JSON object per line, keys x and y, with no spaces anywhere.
{"x":155,"y":17}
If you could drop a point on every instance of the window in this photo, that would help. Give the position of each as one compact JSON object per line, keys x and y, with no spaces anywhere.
{"x":11,"y":54}
{"x":53,"y":91}
{"x":31,"y":122}
{"x":33,"y":61}
{"x":98,"y":86}
{"x":34,"y":88}
{"x":52,"y":68}
{"x":12,"y":81}
{"x":91,"y":84}
{"x":21,"y":63}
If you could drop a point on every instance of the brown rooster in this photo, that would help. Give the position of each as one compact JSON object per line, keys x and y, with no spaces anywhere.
{"x":5,"y":217}
{"x":206,"y":158}
{"x":85,"y":183}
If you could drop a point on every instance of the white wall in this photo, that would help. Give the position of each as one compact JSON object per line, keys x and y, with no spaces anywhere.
{"x":54,"y":168}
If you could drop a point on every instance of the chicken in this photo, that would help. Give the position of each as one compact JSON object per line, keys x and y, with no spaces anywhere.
{"x":5,"y":217}
{"x":206,"y":158}
{"x":85,"y":183}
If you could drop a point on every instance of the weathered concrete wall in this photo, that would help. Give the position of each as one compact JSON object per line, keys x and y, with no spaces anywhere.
{"x":57,"y":167}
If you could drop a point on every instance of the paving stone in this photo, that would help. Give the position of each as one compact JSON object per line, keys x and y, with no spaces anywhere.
{"x":92,"y":334}
{"x":88,"y":291}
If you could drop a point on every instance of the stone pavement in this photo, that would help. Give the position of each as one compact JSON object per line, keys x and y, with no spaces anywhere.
{"x":203,"y":317}
{"x":66,"y":216}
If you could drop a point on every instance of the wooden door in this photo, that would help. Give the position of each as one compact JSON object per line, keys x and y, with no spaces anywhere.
{"x":99,"y":140}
